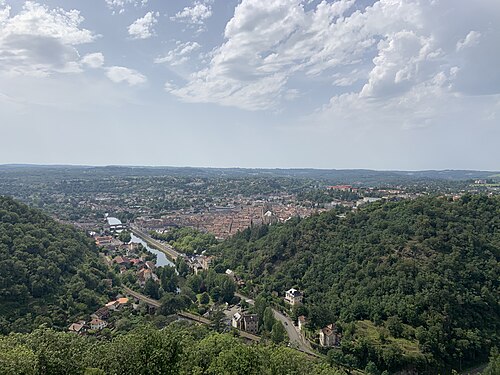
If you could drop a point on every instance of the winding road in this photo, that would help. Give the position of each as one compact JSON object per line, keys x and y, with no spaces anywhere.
{"x":295,"y":337}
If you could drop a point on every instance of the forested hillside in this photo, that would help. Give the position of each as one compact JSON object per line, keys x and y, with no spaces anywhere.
{"x":177,"y":349}
{"x":49,"y":272}
{"x":428,"y":270}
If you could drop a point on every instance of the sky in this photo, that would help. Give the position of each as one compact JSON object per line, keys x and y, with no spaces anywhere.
{"x":387,"y":84}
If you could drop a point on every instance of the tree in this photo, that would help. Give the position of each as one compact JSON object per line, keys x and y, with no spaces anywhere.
{"x":204,"y":298}
{"x":394,"y":326}
{"x":493,"y":367}
{"x":278,"y":333}
{"x":269,"y":320}
{"x":152,"y":289}
{"x":125,"y":236}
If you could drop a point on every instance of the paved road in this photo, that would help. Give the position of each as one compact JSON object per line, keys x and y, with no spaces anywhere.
{"x":294,"y":335}
{"x":167,"y":249}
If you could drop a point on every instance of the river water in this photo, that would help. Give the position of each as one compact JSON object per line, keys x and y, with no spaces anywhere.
{"x":161,"y":258}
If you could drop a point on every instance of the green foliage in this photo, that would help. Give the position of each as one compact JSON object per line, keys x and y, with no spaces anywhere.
{"x":187,"y":240}
{"x":177,"y":349}
{"x":49,"y":273}
{"x":493,"y":367}
{"x":278,"y":333}
{"x":427,"y":267}
{"x":125,"y":236}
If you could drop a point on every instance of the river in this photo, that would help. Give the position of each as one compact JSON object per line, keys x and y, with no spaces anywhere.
{"x":161,"y":258}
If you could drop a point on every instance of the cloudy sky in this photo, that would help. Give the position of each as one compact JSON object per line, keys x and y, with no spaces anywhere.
{"x":388,"y":84}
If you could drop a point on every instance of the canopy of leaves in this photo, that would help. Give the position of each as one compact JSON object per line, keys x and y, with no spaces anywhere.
{"x":49,"y":272}
{"x":177,"y":349}
{"x":430,"y":265}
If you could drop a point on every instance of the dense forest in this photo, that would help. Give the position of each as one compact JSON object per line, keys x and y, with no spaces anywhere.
{"x":177,"y":349}
{"x":423,"y":272}
{"x":49,"y":272}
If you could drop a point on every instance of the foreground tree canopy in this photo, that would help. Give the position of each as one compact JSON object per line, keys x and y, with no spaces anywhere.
{"x":425,"y":270}
{"x":178,"y":349}
{"x":49,"y":272}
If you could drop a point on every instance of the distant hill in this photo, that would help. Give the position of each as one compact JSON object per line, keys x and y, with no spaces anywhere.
{"x":413,"y":283}
{"x":49,"y":272}
{"x":350,"y":176}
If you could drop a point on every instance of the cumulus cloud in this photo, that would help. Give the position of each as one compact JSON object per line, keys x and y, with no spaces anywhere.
{"x":179,"y":55}
{"x":93,"y":60}
{"x":40,"y":41}
{"x":196,"y":14}
{"x":121,"y":74}
{"x":119,"y":6}
{"x":391,"y":48}
{"x":471,"y":39}
{"x":142,"y":28}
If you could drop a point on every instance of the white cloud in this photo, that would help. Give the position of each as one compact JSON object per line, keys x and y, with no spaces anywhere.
{"x":40,"y":41}
{"x":388,"y":49}
{"x":179,"y":55}
{"x":118,"y":6}
{"x":120,"y":74}
{"x":93,"y":60}
{"x":142,"y":28}
{"x":471,"y":39}
{"x":196,"y":14}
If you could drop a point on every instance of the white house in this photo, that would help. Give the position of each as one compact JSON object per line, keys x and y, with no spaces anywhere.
{"x":97,"y":324}
{"x":293,"y":296}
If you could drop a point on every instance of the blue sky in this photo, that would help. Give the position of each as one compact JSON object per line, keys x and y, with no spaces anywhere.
{"x":388,"y":84}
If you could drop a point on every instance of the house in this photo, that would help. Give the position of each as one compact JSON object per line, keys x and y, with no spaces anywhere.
{"x":78,"y":327}
{"x":103,"y":241}
{"x":205,"y":262}
{"x":246,"y":322}
{"x":144,"y":275}
{"x":329,"y":336}
{"x":117,"y":305}
{"x":122,"y":261}
{"x":101,"y":313}
{"x":293,"y":297}
{"x":251,"y":323}
{"x":97,"y":324}
{"x":301,"y":322}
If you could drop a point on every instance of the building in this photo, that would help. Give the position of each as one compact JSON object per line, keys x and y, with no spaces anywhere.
{"x":102,"y":313}
{"x":328,"y":336}
{"x":78,"y":327}
{"x":246,"y":322}
{"x":205,"y":261}
{"x":293,"y":297}
{"x":97,"y":324}
{"x":103,"y":241}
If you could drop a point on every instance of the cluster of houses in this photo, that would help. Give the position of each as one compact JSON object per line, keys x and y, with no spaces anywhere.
{"x":99,"y":319}
{"x":129,"y":256}
{"x":198,"y":263}
{"x":329,"y":336}
{"x":144,"y":269}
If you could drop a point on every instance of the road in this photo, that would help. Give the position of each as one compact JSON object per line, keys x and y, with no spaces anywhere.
{"x":294,"y":335}
{"x":142,"y":297}
{"x":167,"y":249}
{"x":183,"y":314}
